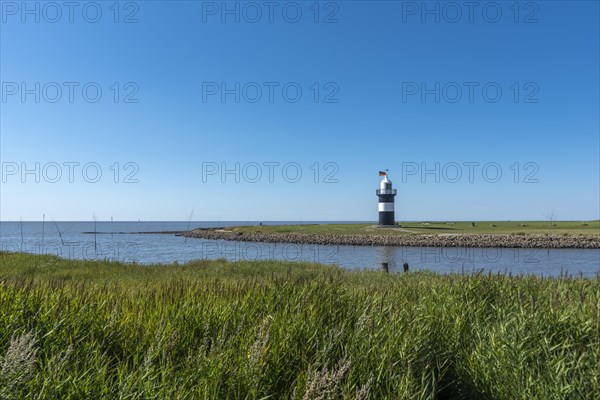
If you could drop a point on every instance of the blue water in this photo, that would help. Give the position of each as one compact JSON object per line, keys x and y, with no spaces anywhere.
{"x":44,"y":238}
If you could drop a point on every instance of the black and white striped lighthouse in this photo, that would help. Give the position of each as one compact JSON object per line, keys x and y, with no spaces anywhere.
{"x":386,"y":200}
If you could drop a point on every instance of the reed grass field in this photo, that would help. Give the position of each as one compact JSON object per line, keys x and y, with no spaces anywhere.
{"x":281,"y":330}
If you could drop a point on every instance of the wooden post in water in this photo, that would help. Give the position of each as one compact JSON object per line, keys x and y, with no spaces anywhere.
{"x":405,"y":267}
{"x":385,"y":268}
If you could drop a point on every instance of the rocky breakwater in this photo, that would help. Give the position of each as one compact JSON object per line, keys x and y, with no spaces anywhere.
{"x":409,"y":240}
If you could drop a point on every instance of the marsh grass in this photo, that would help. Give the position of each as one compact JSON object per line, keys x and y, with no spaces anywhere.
{"x":280,"y":330}
{"x":436,"y":227}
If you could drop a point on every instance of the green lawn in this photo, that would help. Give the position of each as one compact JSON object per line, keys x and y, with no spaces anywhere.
{"x":280,"y":330}
{"x":463,"y":227}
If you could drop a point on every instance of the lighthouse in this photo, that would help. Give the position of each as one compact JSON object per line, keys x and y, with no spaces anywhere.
{"x":386,"y":200}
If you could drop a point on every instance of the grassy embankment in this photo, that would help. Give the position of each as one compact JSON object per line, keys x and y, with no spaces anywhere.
{"x":407,"y":228}
{"x":211,"y":329}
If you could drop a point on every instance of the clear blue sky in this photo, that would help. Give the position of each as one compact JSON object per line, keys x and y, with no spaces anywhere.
{"x":371,"y":62}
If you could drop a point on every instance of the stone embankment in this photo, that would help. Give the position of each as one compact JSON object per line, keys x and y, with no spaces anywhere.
{"x":416,"y":240}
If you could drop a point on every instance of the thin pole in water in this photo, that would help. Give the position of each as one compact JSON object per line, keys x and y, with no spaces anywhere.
{"x":21,"y":225}
{"x":188,"y":225}
{"x":164,"y":229}
{"x":95,"y":243}
{"x":59,"y":233}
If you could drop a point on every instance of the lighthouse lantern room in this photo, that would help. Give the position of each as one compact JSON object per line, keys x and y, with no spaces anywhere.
{"x":386,"y":200}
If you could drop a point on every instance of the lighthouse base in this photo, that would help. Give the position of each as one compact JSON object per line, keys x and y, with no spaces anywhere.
{"x":386,"y":218}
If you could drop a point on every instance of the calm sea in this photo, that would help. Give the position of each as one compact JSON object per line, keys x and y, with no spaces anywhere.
{"x":67,"y":239}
